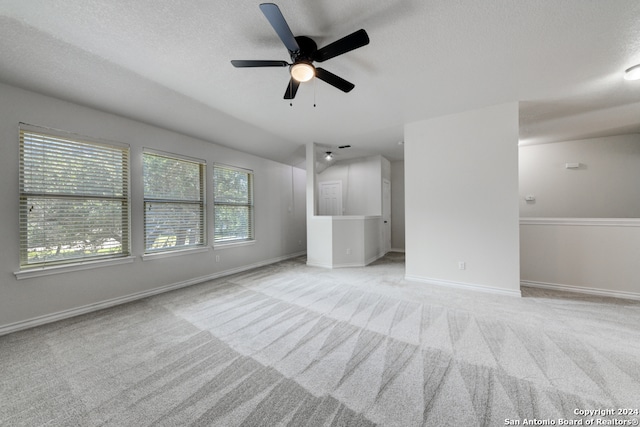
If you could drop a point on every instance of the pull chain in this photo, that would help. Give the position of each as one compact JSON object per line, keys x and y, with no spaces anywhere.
{"x":314,"y":92}
{"x":290,"y":90}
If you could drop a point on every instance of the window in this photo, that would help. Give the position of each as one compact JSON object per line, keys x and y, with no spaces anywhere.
{"x":174,"y":206}
{"x":233,"y":201}
{"x":74,"y":198}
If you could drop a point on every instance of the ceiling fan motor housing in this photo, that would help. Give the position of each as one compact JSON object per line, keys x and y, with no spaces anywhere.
{"x":308,"y":49}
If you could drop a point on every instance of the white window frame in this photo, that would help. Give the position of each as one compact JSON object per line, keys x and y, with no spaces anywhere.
{"x":201,"y":202}
{"x":229,"y":242}
{"x":28,"y":170}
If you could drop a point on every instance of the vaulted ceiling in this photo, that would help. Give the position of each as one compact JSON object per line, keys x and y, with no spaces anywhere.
{"x":167,"y":63}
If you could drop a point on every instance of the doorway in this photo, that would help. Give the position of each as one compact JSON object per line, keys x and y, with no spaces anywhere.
{"x":386,"y":215}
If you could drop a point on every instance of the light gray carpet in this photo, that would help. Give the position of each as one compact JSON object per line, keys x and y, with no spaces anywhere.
{"x":294,"y":345}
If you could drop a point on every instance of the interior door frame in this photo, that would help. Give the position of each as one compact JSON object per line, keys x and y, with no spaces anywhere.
{"x":386,"y":216}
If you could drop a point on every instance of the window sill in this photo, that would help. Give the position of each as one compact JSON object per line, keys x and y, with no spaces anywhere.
{"x":228,"y":245}
{"x":168,"y":254}
{"x":58,"y":269}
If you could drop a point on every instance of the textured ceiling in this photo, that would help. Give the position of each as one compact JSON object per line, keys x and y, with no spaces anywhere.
{"x":166,"y":62}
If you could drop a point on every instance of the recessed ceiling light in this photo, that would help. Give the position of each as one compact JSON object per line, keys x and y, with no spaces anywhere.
{"x":329,"y":156}
{"x":632,"y":73}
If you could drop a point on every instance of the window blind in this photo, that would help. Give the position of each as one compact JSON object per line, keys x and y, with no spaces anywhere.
{"x":233,"y":204}
{"x":174,"y":202}
{"x":74,"y":198}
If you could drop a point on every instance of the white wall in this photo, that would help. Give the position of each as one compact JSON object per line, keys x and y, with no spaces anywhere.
{"x":581,"y":233}
{"x":361,"y":183}
{"x":582,"y":255}
{"x":280,"y":213}
{"x":346,"y":240}
{"x":604,"y":186}
{"x":397,"y":206}
{"x":374,"y":247}
{"x":385,"y":165}
{"x":461,"y":199}
{"x":320,"y":241}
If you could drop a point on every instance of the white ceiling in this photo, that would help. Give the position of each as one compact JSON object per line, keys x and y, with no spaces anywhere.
{"x":166,"y":62}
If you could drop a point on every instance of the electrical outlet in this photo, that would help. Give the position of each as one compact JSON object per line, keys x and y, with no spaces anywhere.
{"x":348,"y":251}
{"x":217,"y":258}
{"x":462,"y":265}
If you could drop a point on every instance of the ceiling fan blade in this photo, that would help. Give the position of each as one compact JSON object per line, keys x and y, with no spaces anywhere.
{"x":292,"y":89}
{"x":240,"y":63}
{"x":277,"y":21}
{"x":348,"y":43}
{"x":334,"y":80}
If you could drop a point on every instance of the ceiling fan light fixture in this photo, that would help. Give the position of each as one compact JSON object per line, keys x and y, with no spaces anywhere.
{"x":303,"y":71}
{"x":304,"y":53}
{"x":632,"y":73}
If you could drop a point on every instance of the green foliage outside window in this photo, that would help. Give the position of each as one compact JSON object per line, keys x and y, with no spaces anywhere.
{"x":233,"y":199}
{"x":174,"y":203}
{"x":73,"y":198}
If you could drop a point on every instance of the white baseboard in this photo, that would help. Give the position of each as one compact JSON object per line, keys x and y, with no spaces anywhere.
{"x":65,"y":314}
{"x":397,"y":250}
{"x":314,"y":264}
{"x":330,"y":266}
{"x":375,"y":258}
{"x":461,"y":285}
{"x":582,"y":290}
{"x":346,"y":265}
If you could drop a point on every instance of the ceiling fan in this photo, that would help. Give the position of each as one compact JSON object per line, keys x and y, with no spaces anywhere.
{"x":304,"y":51}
